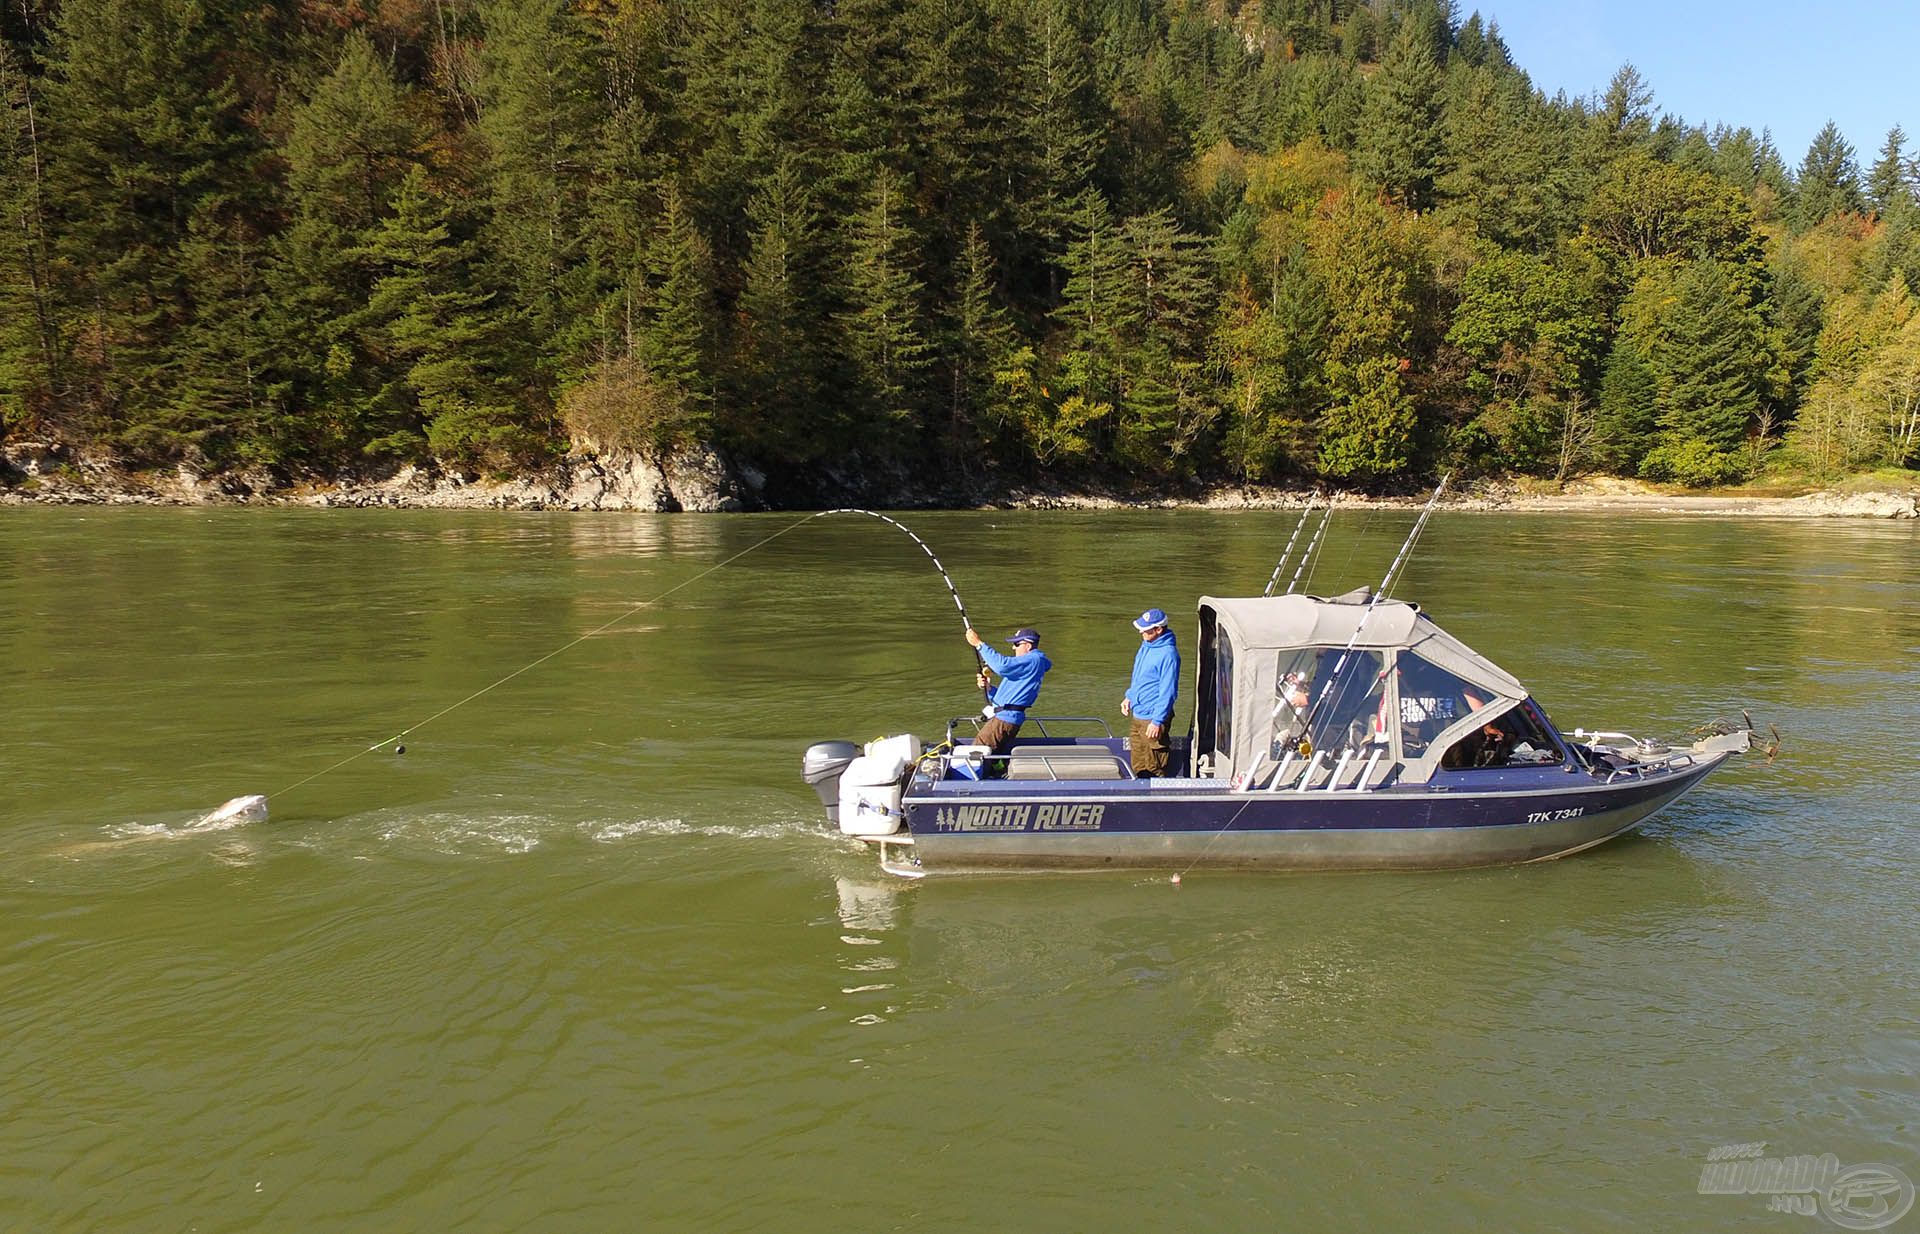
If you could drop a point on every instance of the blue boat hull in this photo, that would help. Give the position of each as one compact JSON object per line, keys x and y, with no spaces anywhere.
{"x":1080,"y":825}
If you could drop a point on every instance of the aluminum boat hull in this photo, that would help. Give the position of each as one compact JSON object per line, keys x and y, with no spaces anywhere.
{"x":1120,"y":824}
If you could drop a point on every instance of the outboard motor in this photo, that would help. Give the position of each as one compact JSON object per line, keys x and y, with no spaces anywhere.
{"x":821,"y":767}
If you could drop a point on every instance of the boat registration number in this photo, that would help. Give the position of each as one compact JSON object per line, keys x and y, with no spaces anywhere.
{"x":1554,"y":816}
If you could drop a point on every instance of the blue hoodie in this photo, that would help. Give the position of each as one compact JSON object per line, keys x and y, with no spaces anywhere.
{"x":1019,"y":681}
{"x":1156,"y":680}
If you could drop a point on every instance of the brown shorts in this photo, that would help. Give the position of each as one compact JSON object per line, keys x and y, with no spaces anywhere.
{"x":1149,"y":753}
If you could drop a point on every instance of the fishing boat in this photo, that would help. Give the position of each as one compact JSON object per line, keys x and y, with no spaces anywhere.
{"x":1347,"y":732}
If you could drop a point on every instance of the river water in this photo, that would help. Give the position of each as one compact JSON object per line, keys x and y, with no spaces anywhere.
{"x":587,"y":956}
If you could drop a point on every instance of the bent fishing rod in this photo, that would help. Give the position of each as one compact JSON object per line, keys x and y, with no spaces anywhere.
{"x":979,"y":659}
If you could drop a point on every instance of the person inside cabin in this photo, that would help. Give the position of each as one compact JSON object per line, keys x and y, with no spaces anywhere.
{"x":1019,"y":687}
{"x":1290,"y":712}
{"x":1486,"y":746}
{"x":1148,"y":702}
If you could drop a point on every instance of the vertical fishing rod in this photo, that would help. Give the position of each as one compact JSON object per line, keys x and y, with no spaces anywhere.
{"x":1288,"y":551}
{"x":1313,"y":547}
{"x":980,"y":661}
{"x":1373,"y":602}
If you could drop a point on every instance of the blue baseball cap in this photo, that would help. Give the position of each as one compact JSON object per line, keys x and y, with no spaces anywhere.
{"x":1149,"y":619}
{"x":1025,"y":634}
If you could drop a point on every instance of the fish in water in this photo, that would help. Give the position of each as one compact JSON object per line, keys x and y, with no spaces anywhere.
{"x":236,"y":813}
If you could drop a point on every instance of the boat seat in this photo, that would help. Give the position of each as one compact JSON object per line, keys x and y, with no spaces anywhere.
{"x":1064,"y":763}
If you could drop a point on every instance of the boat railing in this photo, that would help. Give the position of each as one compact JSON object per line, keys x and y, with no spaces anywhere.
{"x":1039,"y":722}
{"x":1065,"y":763}
{"x":1302,"y":775}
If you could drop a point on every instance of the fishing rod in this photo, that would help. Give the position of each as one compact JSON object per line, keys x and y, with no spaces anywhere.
{"x":980,"y":661}
{"x":1288,"y":551}
{"x":253,"y":807}
{"x":1312,"y":549}
{"x":1373,"y":602}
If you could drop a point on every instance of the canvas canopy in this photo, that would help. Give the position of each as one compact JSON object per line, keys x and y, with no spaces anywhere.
{"x":1407,"y":678}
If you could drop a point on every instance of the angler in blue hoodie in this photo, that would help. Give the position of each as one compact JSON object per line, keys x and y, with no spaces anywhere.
{"x":1019,"y":687}
{"x":1150,"y":697}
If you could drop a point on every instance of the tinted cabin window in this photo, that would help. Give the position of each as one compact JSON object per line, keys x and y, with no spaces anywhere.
{"x":1345,"y":705}
{"x":1431,"y":700}
{"x":1517,"y":739}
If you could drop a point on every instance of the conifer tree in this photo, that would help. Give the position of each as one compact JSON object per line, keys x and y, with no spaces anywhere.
{"x":426,"y":321}
{"x":982,"y":339}
{"x":1400,"y":134}
{"x":148,"y":127}
{"x":1055,"y":137}
{"x":1163,"y":296}
{"x":1629,"y":406}
{"x":1710,"y":362}
{"x":540,"y":89}
{"x":29,"y":333}
{"x":883,"y":325}
{"x":779,"y":369}
{"x":678,"y":335}
{"x":1828,"y":182}
{"x":1091,"y":310}
{"x":349,"y":145}
{"x":1887,"y":188}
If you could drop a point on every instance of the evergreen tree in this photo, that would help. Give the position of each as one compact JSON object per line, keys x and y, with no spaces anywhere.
{"x":541,"y":90}
{"x":29,"y":334}
{"x":424,"y":319}
{"x":1710,"y":363}
{"x":349,"y":145}
{"x":1629,"y":409}
{"x":678,"y":335}
{"x":148,"y":127}
{"x":1888,"y":191}
{"x":981,"y":340}
{"x":1829,"y":181}
{"x":884,"y":336}
{"x":1056,"y":134}
{"x":1502,"y":166}
{"x":1091,"y":310}
{"x":1163,"y":297}
{"x":221,"y":401}
{"x":780,"y":372}
{"x":1400,"y":134}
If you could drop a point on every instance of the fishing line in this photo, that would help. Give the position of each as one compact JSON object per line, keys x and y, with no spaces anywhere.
{"x":240,"y":803}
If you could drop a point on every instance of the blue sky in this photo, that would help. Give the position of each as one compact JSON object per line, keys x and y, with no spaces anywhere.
{"x":1764,"y":63}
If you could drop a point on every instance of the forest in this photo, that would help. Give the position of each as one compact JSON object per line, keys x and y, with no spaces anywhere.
{"x":1149,"y":243}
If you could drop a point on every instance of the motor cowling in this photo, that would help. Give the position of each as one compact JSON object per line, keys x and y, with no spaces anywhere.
{"x":872,"y":787}
{"x":822,"y":765}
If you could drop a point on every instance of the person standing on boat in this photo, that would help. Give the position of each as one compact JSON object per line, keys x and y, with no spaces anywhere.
{"x":1150,"y":697}
{"x":1020,"y":675}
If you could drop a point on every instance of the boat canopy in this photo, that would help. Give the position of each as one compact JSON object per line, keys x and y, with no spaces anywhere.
{"x":1269,"y":665}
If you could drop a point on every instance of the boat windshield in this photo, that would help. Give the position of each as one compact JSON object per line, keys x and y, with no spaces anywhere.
{"x":1336,"y":707}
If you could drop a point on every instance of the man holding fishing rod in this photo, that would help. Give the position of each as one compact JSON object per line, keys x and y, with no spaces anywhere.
{"x":1020,"y":675}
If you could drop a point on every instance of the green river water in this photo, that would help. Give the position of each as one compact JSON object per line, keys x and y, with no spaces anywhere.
{"x":588,"y":957}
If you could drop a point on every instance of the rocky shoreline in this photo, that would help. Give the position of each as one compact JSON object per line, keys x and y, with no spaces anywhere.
{"x":704,"y":482}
